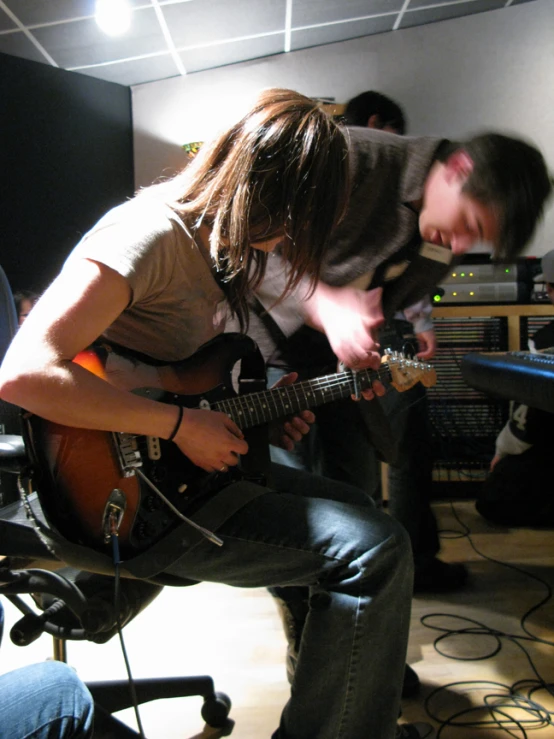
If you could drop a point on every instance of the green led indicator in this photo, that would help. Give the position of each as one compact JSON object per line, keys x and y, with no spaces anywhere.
{"x":437,"y":298}
{"x":462,"y":274}
{"x":507,"y":271}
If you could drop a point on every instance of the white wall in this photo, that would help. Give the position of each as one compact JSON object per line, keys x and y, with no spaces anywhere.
{"x":490,"y":70}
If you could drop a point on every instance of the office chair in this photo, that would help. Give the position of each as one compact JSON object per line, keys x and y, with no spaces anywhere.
{"x":73,"y":585}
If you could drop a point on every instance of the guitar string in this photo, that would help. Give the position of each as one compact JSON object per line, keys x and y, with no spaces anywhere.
{"x":257,"y":405}
{"x":328,"y":382}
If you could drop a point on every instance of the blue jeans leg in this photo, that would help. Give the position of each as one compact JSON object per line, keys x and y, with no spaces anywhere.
{"x":356,"y":561}
{"x":45,"y":701}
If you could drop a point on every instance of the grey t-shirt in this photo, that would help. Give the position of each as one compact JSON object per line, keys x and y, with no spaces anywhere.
{"x":176,"y":303}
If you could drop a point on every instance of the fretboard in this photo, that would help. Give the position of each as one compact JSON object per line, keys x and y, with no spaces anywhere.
{"x":256,"y":409}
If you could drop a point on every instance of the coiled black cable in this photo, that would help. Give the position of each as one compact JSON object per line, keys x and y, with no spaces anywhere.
{"x":509,"y":708}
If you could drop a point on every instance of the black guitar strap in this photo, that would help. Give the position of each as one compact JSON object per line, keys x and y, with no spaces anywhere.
{"x":256,"y":465}
{"x":427,"y":268}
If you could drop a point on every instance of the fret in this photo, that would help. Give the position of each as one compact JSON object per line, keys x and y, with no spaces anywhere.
{"x":284,"y":400}
{"x":252,"y":408}
{"x":273,"y":409}
{"x":236,"y":412}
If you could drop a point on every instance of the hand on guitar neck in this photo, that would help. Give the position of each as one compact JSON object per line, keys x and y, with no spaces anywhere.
{"x":286,"y":435}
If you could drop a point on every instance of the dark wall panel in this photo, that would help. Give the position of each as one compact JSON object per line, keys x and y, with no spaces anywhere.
{"x":66,"y":156}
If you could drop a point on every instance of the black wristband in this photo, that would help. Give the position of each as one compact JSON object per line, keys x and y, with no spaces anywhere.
{"x":177,"y":425}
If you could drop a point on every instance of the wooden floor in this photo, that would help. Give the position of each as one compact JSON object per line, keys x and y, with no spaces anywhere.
{"x":235,"y":635}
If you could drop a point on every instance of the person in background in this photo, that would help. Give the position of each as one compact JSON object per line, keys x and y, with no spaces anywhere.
{"x":516,"y":492}
{"x":410,"y":474}
{"x":158,"y":277}
{"x":24,"y":301}
{"x":372,"y":109}
{"x":44,"y":700}
{"x":415,"y":205}
{"x":411,"y":331}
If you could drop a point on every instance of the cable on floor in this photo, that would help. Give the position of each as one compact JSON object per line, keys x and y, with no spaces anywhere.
{"x":510,"y":708}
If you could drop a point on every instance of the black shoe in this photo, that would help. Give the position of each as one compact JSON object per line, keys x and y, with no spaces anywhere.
{"x":410,"y":686}
{"x":439,"y":577}
{"x":419,"y":730}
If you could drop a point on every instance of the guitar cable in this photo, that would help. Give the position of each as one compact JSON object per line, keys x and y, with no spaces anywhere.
{"x":205,"y":532}
{"x":117,"y":604}
{"x":113,"y":523}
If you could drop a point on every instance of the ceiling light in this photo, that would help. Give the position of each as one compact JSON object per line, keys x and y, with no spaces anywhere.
{"x":113,"y":16}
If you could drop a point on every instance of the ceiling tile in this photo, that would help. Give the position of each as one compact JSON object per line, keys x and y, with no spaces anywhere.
{"x":82,"y":42}
{"x":135,"y":72}
{"x":17,"y":44}
{"x":209,"y":57}
{"x":340,"y":31}
{"x":310,"y":12}
{"x":6,"y":22}
{"x":444,"y":11}
{"x":32,"y":12}
{"x":199,"y":23}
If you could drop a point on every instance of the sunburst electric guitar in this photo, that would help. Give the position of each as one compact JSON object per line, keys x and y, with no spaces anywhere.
{"x":78,"y":470}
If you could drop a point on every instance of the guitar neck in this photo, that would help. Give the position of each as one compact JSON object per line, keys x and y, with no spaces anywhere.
{"x":257,"y":409}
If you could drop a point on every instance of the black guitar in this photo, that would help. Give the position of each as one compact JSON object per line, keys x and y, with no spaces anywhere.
{"x":78,"y":469}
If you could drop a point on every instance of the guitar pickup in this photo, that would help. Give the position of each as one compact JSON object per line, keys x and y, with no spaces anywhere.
{"x":128,"y":454}
{"x":153,"y":448}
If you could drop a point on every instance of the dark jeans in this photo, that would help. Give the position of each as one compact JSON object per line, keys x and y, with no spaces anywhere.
{"x":410,"y":479}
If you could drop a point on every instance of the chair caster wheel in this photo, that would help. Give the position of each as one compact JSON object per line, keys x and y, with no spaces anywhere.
{"x":215,"y":710}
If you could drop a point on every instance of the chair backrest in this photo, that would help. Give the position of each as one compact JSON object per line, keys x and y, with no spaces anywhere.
{"x":9,"y":414}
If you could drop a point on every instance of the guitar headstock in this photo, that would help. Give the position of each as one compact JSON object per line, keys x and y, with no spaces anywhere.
{"x":406,"y":372}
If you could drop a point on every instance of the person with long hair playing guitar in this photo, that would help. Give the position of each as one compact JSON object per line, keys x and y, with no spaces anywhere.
{"x":156,"y":278}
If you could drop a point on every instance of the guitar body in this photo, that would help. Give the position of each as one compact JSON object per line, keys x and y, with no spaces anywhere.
{"x":77,"y":469}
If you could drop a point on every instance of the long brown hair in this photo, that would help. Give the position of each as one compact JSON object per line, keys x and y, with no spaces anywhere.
{"x":281,"y":170}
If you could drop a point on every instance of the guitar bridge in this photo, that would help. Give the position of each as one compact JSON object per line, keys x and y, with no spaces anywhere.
{"x":128,"y":454}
